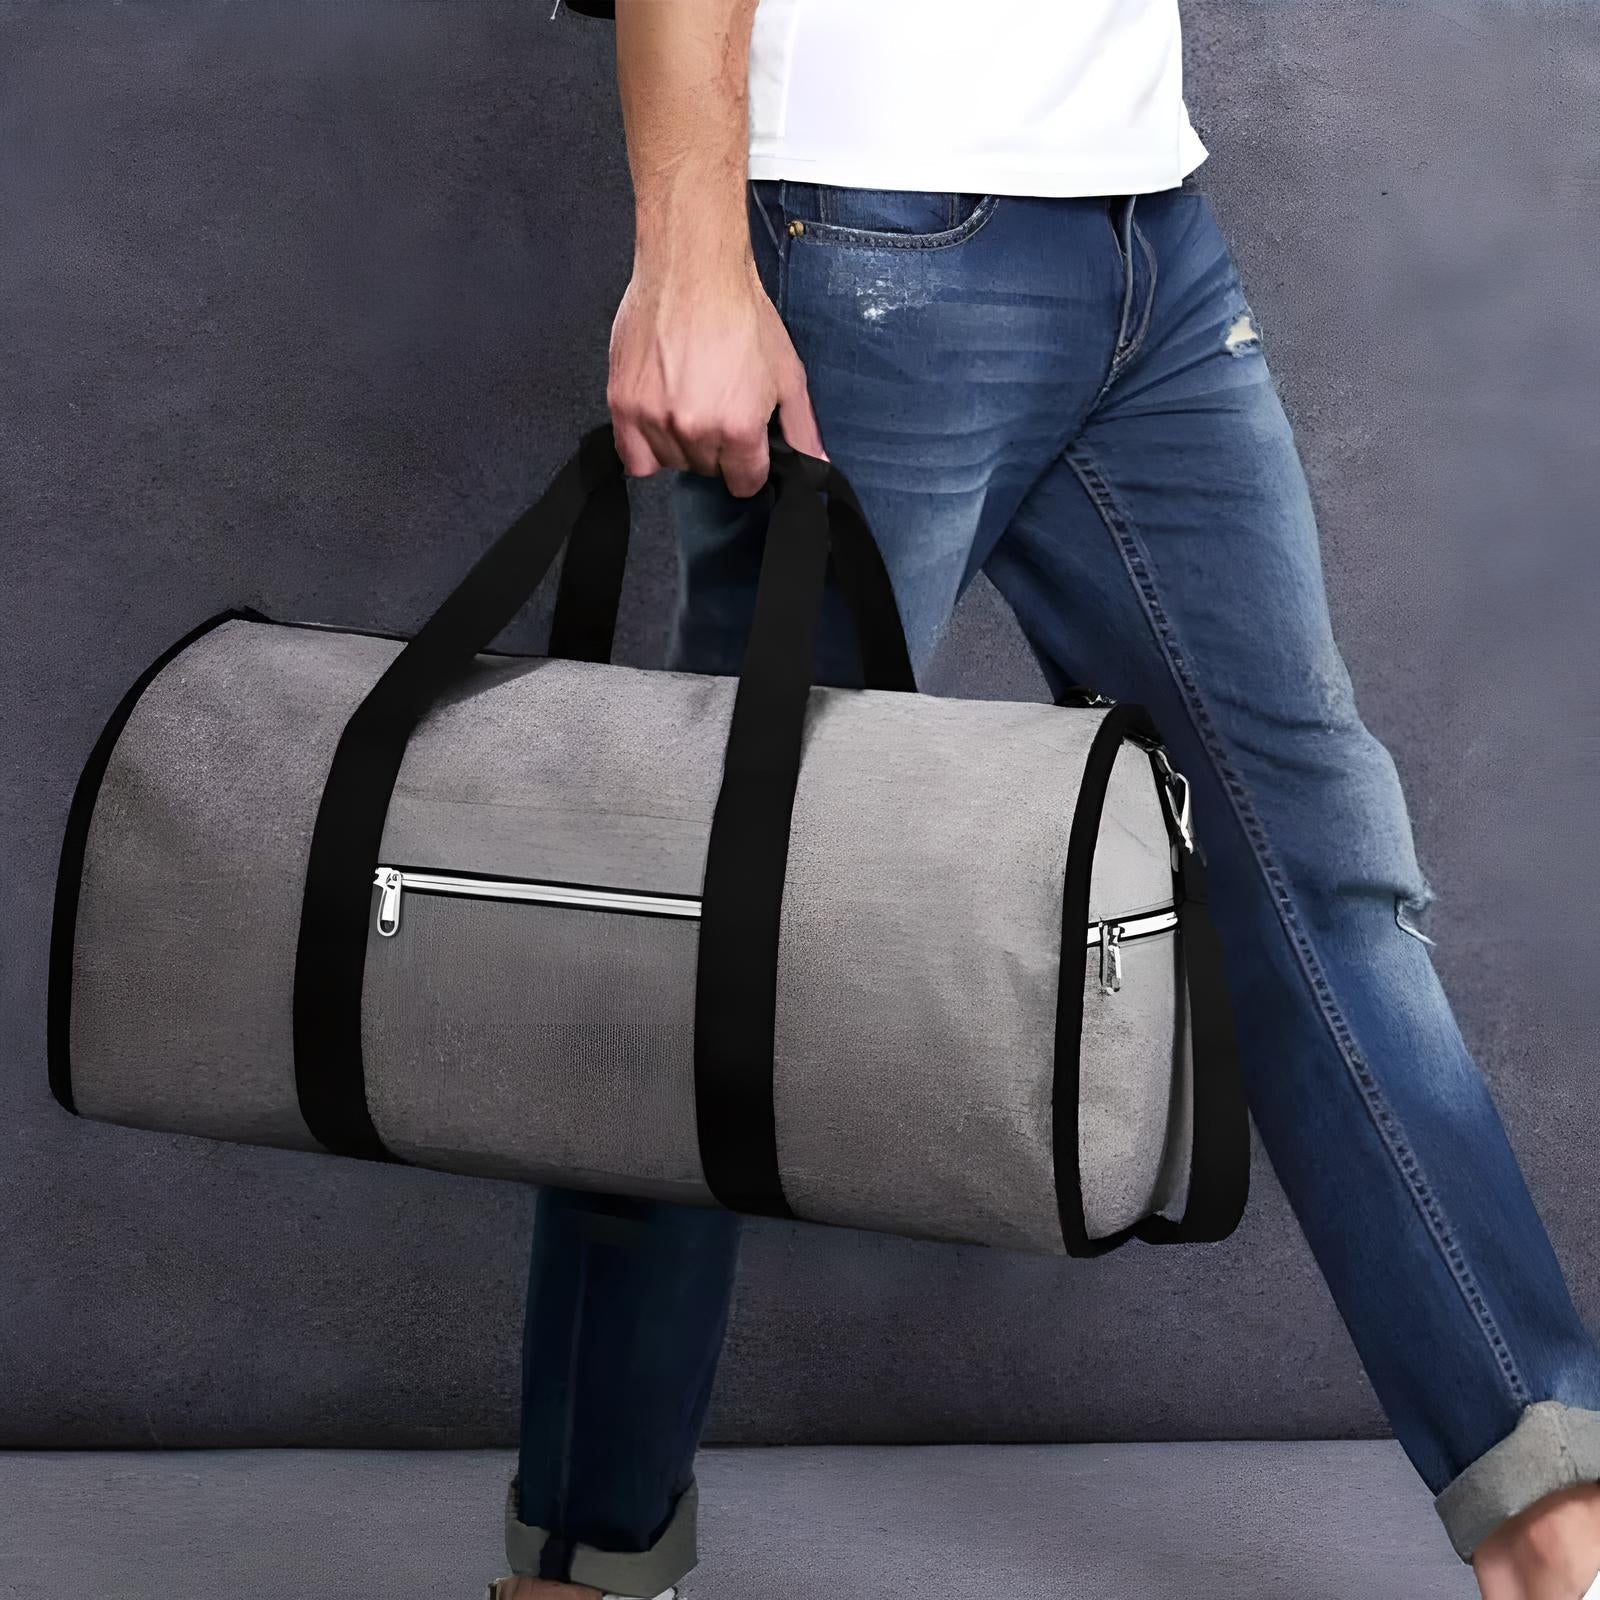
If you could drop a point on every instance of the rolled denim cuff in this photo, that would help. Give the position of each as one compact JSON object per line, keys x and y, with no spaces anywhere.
{"x":1553,"y":1446}
{"x":642,"y":1573}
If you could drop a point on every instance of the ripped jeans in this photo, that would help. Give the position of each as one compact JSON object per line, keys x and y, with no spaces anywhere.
{"x":1072,"y":396}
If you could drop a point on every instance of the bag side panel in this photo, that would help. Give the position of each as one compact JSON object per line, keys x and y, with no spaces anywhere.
{"x":1171,"y":1192}
{"x":1131,"y":1072}
{"x":919,"y":958}
{"x":188,"y":918}
{"x":70,"y":861}
{"x":565,"y":772}
{"x":1130,"y":1067}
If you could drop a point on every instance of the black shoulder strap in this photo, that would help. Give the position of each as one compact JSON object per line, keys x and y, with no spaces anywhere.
{"x":1219,"y":1161}
{"x":1220,"y":1150}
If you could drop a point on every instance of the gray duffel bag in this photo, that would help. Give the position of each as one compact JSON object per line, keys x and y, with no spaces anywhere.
{"x":860,"y":956}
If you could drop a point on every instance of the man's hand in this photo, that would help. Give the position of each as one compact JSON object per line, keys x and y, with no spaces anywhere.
{"x":697,"y":367}
{"x":699,"y":356}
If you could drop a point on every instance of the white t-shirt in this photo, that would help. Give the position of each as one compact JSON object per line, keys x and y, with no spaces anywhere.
{"x":1042,"y":97}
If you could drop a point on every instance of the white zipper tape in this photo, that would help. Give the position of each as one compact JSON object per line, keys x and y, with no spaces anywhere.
{"x":1108,"y":933}
{"x":393,"y":881}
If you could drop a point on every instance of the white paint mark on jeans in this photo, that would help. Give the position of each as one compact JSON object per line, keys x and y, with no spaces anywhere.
{"x":876,"y":294}
{"x":1242,"y":334}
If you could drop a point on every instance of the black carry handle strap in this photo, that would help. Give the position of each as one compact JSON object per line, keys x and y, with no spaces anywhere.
{"x":858,"y":562}
{"x":586,"y":509}
{"x":747,"y":854}
{"x":589,"y":590}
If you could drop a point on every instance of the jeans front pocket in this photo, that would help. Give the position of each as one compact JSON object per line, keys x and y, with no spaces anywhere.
{"x":893,"y":219}
{"x":766,"y":235}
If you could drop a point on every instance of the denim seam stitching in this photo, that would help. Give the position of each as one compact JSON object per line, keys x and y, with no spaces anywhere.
{"x":1150,"y":297}
{"x":564,"y":1485}
{"x":1119,"y":359}
{"x":1125,"y":309}
{"x":783,"y":252}
{"x":1122,"y":353}
{"x":867,"y":238}
{"x":1405,"y":1160}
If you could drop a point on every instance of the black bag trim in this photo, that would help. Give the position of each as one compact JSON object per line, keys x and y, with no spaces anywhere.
{"x":1220,"y":1152}
{"x":74,"y":844}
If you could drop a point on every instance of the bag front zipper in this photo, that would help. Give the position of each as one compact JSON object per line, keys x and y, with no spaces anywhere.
{"x":393,"y":882}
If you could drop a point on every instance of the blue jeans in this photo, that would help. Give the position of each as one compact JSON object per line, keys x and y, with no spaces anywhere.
{"x":1071,"y":395}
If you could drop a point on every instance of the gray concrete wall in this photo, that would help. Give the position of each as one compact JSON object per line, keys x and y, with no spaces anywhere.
{"x":299,"y":301}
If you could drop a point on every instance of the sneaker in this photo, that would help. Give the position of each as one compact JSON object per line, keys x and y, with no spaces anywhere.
{"x":500,"y":1587}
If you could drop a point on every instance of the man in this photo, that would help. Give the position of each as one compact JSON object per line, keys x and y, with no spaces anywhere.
{"x":961,"y":247}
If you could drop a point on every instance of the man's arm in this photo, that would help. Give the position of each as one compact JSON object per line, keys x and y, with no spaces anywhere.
{"x":699,"y":356}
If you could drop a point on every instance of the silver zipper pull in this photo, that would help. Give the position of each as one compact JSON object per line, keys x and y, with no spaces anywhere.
{"x":1110,"y":957}
{"x":388,"y":879}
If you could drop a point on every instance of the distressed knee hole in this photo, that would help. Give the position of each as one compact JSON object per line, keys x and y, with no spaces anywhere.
{"x":1409,"y":910}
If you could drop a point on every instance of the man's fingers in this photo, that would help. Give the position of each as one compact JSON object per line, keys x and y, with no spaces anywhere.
{"x":737,"y":451}
{"x":798,"y":421}
{"x":664,"y":443}
{"x":705,"y":439}
{"x":633,"y":449}
{"x":743,"y":461}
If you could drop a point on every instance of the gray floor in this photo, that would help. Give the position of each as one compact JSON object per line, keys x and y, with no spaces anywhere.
{"x":1305,"y":1521}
